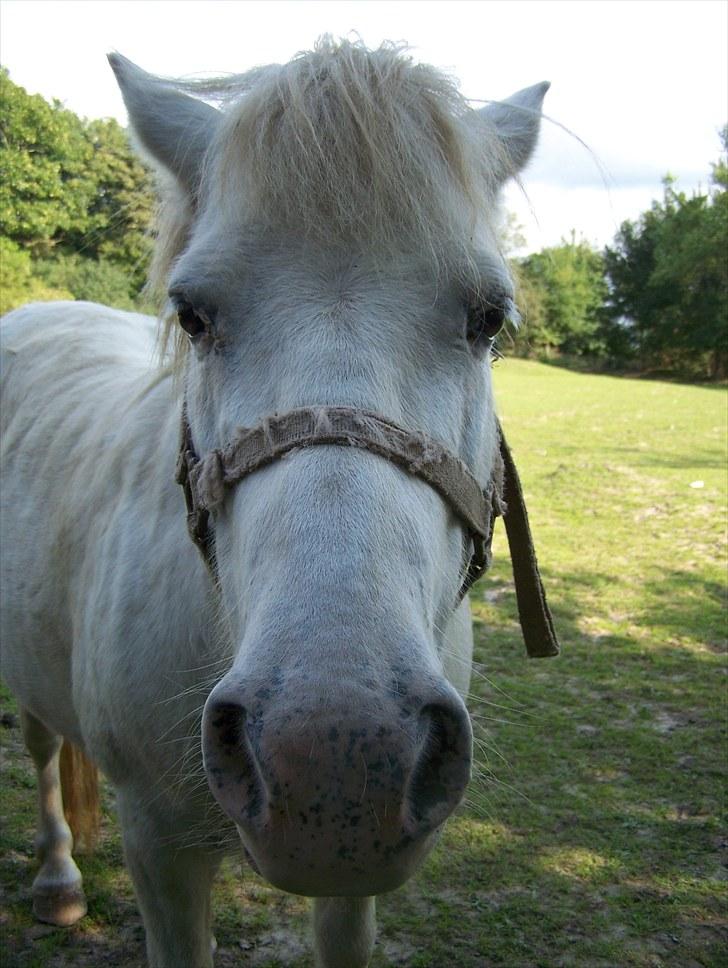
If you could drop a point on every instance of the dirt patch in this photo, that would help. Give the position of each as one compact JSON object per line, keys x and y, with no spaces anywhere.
{"x":398,"y":952}
{"x":280,"y":946}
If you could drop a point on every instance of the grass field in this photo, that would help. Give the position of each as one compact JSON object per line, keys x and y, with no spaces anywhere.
{"x":593,"y":835}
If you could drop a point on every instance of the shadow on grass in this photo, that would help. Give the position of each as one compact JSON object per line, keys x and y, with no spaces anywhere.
{"x":679,"y":603}
{"x":605,"y":844}
{"x":643,"y":458}
{"x":699,"y":609}
{"x":544,"y":900}
{"x":579,"y":367}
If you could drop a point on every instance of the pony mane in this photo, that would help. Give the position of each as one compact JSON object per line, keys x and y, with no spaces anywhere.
{"x":349,"y":145}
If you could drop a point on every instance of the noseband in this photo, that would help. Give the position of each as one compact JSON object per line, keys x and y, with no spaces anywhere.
{"x":206,"y":480}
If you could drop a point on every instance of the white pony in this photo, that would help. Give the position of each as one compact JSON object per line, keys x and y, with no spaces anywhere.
{"x":329,"y":249}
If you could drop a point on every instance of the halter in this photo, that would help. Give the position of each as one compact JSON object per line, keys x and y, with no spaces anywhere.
{"x":205,"y":482}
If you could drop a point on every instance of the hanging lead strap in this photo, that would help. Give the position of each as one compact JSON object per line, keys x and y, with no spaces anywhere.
{"x":533,"y":609}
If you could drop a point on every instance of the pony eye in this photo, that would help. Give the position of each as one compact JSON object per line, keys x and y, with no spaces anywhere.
{"x":484,"y":322}
{"x":191,"y":321}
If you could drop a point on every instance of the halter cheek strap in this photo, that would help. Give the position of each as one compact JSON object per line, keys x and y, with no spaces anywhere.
{"x":205,"y":482}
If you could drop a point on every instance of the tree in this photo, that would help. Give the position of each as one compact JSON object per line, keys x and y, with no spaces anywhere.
{"x":45,"y":188}
{"x":121,"y":211}
{"x":562,"y":291}
{"x":668,"y":281}
{"x":18,"y":284}
{"x":68,"y":187}
{"x":92,"y":280}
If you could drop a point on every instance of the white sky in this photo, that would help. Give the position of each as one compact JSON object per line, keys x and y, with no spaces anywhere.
{"x":644,"y":84}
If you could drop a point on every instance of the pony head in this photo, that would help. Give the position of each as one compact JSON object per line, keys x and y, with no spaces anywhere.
{"x":329,"y":239}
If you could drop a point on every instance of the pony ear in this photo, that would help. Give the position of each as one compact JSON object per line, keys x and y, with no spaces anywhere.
{"x":517,"y":121}
{"x":172,"y":127}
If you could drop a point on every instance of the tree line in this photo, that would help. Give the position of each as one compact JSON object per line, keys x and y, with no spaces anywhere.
{"x":76,"y":205}
{"x":655,"y":300}
{"x":76,"y":214}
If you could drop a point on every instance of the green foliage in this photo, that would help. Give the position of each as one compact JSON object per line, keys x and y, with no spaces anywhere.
{"x":121,"y":211}
{"x":75,"y":205}
{"x":45,"y":188}
{"x":18,"y":285}
{"x":562,"y":290}
{"x":656,"y":299}
{"x":668,"y":282}
{"x":87,"y":279}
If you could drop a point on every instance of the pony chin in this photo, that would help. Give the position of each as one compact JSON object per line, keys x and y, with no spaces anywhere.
{"x":316,"y":880}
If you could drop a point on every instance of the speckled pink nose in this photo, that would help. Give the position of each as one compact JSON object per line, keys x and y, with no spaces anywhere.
{"x":337,"y":797}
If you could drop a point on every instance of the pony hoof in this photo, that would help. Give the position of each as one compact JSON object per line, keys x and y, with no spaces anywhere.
{"x":61,"y":908}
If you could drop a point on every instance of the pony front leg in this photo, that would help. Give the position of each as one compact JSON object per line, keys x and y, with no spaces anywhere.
{"x":345,"y":929}
{"x":58,"y":896}
{"x":172,"y":884}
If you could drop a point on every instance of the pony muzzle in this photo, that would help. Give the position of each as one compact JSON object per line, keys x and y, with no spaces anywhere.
{"x":343,"y":801}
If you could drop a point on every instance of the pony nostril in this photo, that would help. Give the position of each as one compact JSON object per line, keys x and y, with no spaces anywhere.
{"x":230,"y":762}
{"x":227,"y":721}
{"x":442,"y":770}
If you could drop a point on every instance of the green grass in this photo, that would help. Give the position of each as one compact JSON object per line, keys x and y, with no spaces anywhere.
{"x":595,"y":834}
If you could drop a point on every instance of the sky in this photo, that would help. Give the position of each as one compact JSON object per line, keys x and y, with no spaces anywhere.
{"x":639,"y":87}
